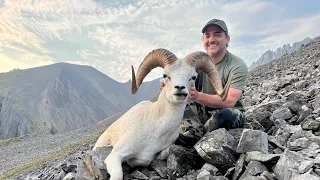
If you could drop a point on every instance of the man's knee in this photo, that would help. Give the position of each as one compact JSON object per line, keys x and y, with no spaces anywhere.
{"x":225,"y":118}
{"x":230,"y":118}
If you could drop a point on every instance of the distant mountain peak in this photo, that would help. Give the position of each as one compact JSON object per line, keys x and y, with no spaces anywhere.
{"x":62,"y":97}
{"x":270,"y":55}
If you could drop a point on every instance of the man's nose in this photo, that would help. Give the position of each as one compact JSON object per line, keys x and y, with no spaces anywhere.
{"x":211,"y":39}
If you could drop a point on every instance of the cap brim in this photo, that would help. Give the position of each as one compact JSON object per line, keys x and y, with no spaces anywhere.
{"x":207,"y":25}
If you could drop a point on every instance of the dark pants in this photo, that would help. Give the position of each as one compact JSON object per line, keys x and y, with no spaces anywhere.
{"x":227,"y":118}
{"x":198,"y":116}
{"x":196,"y":123}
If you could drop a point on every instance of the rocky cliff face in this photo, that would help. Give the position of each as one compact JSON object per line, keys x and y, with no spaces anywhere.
{"x":279,"y":52}
{"x":60,"y":97}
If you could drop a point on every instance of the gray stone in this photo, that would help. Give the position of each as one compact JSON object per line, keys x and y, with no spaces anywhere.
{"x":287,"y":166}
{"x":299,"y":140}
{"x":274,"y":141}
{"x":267,"y":175}
{"x":218,"y":178}
{"x":61,"y":174}
{"x":317,"y":171}
{"x":305,"y":177}
{"x":281,"y":124}
{"x":310,"y":123}
{"x":203,"y":175}
{"x":254,"y":168}
{"x":300,"y":85}
{"x":217,"y":148}
{"x":277,"y":151}
{"x":253,"y":140}
{"x":317,"y":159}
{"x":155,"y":178}
{"x":139,"y":175}
{"x":210,"y":168}
{"x":305,"y":166}
{"x":83,"y":172}
{"x":250,"y":177}
{"x":191,"y":176}
{"x":238,"y":167}
{"x":94,"y":161}
{"x":281,"y":113}
{"x":283,"y":133}
{"x":181,"y":160}
{"x":261,"y":115}
{"x":299,"y":144}
{"x":70,"y":176}
{"x":304,"y":113}
{"x":160,"y":167}
{"x":229,"y":172}
{"x":312,"y":150}
{"x":295,"y":100}
{"x":236,"y":134}
{"x":258,"y":156}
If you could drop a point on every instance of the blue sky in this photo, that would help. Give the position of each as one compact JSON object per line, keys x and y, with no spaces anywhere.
{"x":112,"y":35}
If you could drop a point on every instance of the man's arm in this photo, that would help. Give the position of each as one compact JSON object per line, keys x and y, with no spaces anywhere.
{"x":214,"y":101}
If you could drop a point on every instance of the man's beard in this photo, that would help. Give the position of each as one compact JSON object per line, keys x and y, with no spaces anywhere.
{"x":216,"y":54}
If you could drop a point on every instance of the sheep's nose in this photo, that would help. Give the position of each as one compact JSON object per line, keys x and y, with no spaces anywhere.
{"x":179,"y":87}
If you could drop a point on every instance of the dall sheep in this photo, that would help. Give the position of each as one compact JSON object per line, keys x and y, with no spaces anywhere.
{"x":149,"y":128}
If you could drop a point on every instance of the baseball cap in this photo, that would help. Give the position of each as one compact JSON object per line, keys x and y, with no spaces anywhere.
{"x":217,"y":22}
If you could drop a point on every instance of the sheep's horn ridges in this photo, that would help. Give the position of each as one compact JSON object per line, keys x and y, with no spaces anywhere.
{"x":156,"y":58}
{"x":202,"y":61}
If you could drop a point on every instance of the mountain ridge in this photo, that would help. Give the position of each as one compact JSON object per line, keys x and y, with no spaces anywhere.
{"x":62,"y":97}
{"x":270,"y":55}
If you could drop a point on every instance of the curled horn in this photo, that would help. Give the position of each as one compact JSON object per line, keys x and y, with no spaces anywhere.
{"x":202,"y":61}
{"x":156,"y":58}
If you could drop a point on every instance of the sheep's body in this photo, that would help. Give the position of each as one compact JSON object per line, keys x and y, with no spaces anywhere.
{"x":149,"y":128}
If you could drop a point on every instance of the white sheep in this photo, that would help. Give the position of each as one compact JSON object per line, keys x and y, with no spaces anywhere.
{"x":148,"y":129}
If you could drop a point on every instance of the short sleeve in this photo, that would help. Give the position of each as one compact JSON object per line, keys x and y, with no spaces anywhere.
{"x":240,"y":74}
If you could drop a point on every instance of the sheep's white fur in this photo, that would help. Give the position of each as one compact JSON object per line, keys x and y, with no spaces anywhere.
{"x":149,"y":128}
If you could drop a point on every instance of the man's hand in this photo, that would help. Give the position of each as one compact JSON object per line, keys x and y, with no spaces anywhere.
{"x":194,"y":94}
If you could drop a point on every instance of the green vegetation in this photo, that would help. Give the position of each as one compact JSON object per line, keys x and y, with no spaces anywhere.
{"x":257,"y":68}
{"x":63,"y":152}
{"x":7,"y":141}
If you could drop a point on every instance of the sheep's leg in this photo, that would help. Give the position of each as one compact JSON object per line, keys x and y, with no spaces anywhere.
{"x":139,"y":162}
{"x":164,"y":153}
{"x":113,"y":163}
{"x":102,"y":141}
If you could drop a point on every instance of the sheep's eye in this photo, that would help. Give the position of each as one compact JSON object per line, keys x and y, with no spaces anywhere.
{"x":164,"y":76}
{"x":193,"y":78}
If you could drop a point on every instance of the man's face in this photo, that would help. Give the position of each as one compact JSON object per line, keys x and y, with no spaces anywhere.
{"x":215,"y":40}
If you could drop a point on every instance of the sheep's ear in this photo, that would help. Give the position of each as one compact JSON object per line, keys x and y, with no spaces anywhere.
{"x":162,"y":85}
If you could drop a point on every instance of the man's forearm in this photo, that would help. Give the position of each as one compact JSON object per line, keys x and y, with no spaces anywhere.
{"x":213,"y":101}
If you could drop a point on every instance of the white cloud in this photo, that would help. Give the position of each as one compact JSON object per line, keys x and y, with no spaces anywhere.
{"x":8,"y":64}
{"x":111,"y":35}
{"x":292,"y":31}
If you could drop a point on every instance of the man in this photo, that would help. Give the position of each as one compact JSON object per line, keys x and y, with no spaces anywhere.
{"x":217,"y":113}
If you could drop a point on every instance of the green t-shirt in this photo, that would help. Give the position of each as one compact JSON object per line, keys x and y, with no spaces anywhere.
{"x":230,"y":64}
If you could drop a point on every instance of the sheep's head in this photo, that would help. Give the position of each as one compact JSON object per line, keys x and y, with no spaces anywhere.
{"x":178,"y":78}
{"x":179,"y":74}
